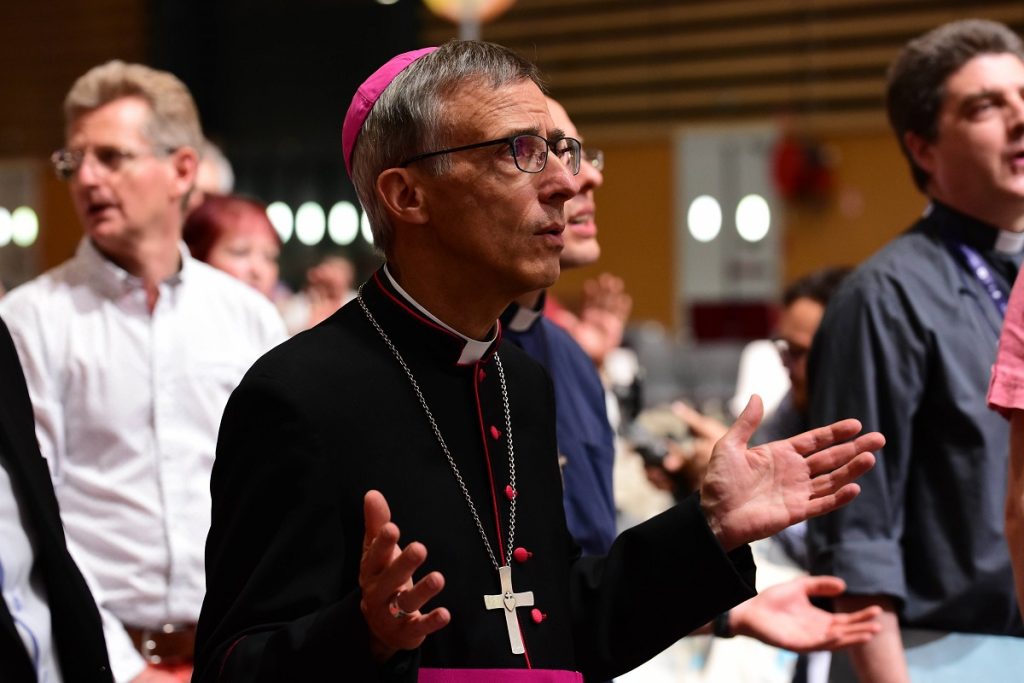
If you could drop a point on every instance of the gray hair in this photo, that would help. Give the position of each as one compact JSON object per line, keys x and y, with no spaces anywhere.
{"x":917,"y":78}
{"x":174,"y":119}
{"x":410,"y":116}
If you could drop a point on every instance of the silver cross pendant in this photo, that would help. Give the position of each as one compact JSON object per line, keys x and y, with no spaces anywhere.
{"x":508,"y":600}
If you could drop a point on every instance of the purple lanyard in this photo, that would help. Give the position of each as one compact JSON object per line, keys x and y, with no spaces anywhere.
{"x":983,"y":272}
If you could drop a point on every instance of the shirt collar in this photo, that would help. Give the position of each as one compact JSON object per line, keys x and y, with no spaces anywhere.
{"x":114,"y":279}
{"x":472,"y":350}
{"x":521,"y":318}
{"x":973,"y":232}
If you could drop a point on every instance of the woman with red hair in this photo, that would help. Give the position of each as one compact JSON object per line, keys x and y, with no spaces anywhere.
{"x":233,"y":233}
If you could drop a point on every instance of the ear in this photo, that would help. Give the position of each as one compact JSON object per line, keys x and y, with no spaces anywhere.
{"x":920,"y":150}
{"x":185,"y":165}
{"x":403,"y":195}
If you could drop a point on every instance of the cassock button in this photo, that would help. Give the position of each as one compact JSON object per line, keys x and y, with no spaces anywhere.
{"x":495,"y":432}
{"x":537,"y":615}
{"x":510,"y":492}
{"x":521,"y":554}
{"x":480,"y":375}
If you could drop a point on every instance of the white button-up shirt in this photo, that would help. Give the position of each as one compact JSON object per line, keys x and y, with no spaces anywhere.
{"x":127,"y":406}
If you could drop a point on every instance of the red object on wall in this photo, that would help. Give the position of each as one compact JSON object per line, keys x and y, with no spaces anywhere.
{"x":733,"y":320}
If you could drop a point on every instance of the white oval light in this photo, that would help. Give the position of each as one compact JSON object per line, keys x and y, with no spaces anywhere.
{"x":704,"y":218}
{"x":753,"y":218}
{"x":280,"y":215}
{"x":364,"y":228}
{"x":343,"y":223}
{"x":6,"y":227}
{"x":24,"y":226}
{"x":310,"y":223}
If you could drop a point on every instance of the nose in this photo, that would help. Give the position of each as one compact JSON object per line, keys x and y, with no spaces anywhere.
{"x":89,"y":171}
{"x":1016,"y":116}
{"x":558,"y":183}
{"x":589,"y":178}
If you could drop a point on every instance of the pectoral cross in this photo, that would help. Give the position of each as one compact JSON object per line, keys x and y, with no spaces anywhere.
{"x":509,"y":600}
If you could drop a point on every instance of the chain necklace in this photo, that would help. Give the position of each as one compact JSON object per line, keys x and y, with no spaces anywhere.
{"x":444,"y":446}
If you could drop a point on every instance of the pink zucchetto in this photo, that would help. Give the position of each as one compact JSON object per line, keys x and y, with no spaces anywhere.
{"x":366,"y":96}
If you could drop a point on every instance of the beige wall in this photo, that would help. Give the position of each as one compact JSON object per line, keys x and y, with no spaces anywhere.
{"x":874,"y":200}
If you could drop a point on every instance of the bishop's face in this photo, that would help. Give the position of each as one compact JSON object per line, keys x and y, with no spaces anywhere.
{"x":976,"y":163}
{"x":496,"y":226}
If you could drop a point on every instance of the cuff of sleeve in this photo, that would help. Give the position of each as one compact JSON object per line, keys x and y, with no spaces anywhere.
{"x":868,"y":567}
{"x":1005,"y":391}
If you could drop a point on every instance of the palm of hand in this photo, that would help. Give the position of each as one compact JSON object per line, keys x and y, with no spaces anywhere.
{"x":752,"y":493}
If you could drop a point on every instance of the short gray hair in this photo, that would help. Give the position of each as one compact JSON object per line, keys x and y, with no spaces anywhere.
{"x":410,"y":116}
{"x":174,"y":119}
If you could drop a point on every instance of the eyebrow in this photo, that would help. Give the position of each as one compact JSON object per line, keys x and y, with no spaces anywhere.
{"x":555,"y":133}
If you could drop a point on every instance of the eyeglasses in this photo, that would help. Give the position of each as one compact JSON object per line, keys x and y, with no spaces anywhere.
{"x":66,"y":162}
{"x":529,"y":151}
{"x":789,"y":353}
{"x":595,"y":157}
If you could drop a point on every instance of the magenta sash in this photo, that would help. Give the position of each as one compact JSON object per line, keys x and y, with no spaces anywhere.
{"x":498,"y":676}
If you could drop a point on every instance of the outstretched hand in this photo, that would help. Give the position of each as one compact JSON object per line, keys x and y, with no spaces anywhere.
{"x":390,"y":601}
{"x":783,"y":616}
{"x":752,"y":493}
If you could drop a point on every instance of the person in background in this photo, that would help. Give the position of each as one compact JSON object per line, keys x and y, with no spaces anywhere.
{"x":1006,"y":395}
{"x":405,"y":407}
{"x":233,"y":233}
{"x":803,"y":305}
{"x":214,"y":176}
{"x":907,"y":345}
{"x":50,"y":630}
{"x":130,"y":350}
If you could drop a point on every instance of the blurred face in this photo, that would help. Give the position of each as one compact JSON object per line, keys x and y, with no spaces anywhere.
{"x":250,"y":253}
{"x":797,"y":326}
{"x":581,"y":245}
{"x":125,"y":189}
{"x":976,"y":163}
{"x":496,"y":226}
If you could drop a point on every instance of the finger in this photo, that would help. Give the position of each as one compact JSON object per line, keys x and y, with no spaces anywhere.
{"x":842,"y":640}
{"x":422,"y":592}
{"x":829,"y":482}
{"x":835,"y":456}
{"x":698,"y":423}
{"x":868,"y":615}
{"x":380,"y":552}
{"x":376,"y":514}
{"x":738,"y":436}
{"x":826,"y":504}
{"x":823,"y":586}
{"x":413,"y":630}
{"x":397,"y":575}
{"x":817,"y":439}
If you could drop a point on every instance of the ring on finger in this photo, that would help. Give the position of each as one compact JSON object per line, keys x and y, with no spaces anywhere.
{"x":396,"y":611}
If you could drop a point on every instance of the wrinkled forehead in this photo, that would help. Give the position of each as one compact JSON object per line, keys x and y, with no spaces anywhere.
{"x":507,"y":109}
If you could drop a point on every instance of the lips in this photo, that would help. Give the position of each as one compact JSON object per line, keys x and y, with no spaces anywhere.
{"x":552,"y":234}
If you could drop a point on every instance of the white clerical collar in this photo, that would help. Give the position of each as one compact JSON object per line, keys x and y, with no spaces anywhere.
{"x":525,"y":317}
{"x":1010,"y":242}
{"x":473,"y":351}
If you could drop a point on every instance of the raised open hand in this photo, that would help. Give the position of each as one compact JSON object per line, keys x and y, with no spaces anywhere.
{"x":752,"y":493}
{"x":391,"y":602}
{"x":783,"y":616}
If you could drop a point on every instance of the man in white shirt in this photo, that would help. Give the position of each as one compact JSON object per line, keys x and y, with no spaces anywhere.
{"x":130,"y":350}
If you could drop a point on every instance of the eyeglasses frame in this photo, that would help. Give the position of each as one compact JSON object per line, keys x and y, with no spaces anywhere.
{"x":510,"y":141}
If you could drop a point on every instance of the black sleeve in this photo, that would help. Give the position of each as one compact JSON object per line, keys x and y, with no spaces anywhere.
{"x":275,"y":606}
{"x":661,"y":580}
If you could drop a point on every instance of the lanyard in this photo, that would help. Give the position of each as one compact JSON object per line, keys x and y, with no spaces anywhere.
{"x":982,"y":272}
